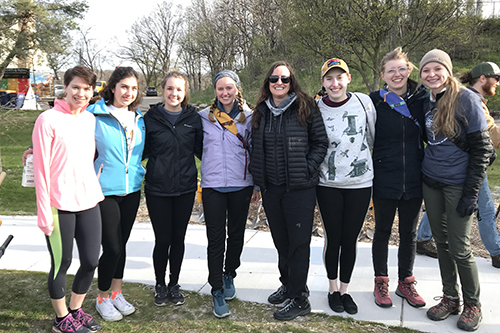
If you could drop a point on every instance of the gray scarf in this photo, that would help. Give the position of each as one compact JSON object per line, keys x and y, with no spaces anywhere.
{"x":284,"y":105}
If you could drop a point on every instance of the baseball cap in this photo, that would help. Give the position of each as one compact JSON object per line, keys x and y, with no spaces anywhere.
{"x":334,"y":63}
{"x":486,"y":69}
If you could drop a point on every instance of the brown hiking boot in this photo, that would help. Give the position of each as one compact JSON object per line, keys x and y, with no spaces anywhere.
{"x":495,"y":261}
{"x":428,"y":248}
{"x":448,"y":305}
{"x":381,"y":292}
{"x":470,"y":318}
{"x":406,"y":289}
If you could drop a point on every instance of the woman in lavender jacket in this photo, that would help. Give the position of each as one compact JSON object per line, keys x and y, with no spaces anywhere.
{"x":227,"y":185}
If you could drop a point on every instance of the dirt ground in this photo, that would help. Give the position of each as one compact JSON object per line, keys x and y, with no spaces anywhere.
{"x":365,"y":236}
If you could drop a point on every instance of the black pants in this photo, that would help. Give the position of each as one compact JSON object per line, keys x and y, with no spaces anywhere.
{"x":85,"y":228}
{"x":169,"y":217}
{"x":343,"y":213}
{"x":408,"y":212}
{"x":118,"y":215}
{"x":290,"y":216}
{"x":215,"y":206}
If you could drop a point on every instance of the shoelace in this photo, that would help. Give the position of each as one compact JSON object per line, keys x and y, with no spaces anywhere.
{"x":411,"y":288}
{"x":227,"y":281}
{"x":383,"y":289}
{"x":446,"y":302}
{"x":281,"y":291}
{"x":288,"y":306}
{"x":219,"y":298}
{"x":175,"y":291}
{"x":83,"y":317}
{"x":470,"y":311}
{"x":70,"y":323}
{"x":162,"y":291}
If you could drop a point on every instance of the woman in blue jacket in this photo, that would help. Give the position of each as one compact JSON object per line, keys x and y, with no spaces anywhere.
{"x":227,"y":185}
{"x":173,"y":138}
{"x":119,"y":135}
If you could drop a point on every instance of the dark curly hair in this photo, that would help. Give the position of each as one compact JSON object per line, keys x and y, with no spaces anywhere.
{"x":119,"y":74}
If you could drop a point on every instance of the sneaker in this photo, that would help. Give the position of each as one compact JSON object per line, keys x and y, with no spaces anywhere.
{"x":279,"y":296}
{"x":229,"y":290}
{"x":349,"y":306}
{"x":122,"y":305}
{"x":406,"y":289}
{"x":428,"y":248}
{"x":292,"y":309}
{"x":495,"y":261}
{"x":69,"y":324}
{"x":220,"y":307}
{"x":448,"y":305}
{"x":335,"y":302}
{"x":381,"y":292}
{"x":106,"y":309}
{"x":86,"y":320}
{"x":470,"y":318}
{"x":161,"y":295}
{"x":175,"y":295}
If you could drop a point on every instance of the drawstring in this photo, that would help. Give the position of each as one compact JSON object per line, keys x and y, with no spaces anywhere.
{"x":245,"y":147}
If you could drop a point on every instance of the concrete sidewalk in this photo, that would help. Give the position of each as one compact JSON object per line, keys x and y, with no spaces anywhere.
{"x":258,"y":274}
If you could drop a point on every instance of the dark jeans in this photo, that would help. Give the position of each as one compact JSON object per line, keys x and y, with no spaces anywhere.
{"x":216,"y":206}
{"x":170,"y":218}
{"x":118,"y":215}
{"x":85,"y":228}
{"x":290,"y":216}
{"x":408,"y":213}
{"x":343,"y":213}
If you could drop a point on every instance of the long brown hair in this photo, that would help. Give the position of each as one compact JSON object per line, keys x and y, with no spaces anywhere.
{"x":305,"y":101}
{"x":119,"y":74}
{"x":445,"y":121}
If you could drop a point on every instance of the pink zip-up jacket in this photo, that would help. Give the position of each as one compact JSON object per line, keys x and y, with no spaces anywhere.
{"x":63,"y":162}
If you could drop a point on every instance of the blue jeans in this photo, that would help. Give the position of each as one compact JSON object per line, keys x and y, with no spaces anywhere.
{"x":487,"y":226}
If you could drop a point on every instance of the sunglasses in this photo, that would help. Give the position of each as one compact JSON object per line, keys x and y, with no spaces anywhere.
{"x":275,"y":78}
{"x":496,"y":77}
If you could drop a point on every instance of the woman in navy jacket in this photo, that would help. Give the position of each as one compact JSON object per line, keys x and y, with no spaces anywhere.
{"x":397,"y":158}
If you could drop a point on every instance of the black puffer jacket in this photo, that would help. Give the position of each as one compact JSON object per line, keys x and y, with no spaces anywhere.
{"x":398,"y":150}
{"x":171,"y":169}
{"x":305,"y":148}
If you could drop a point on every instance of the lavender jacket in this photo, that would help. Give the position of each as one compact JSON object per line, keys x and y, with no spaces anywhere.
{"x":224,"y":160}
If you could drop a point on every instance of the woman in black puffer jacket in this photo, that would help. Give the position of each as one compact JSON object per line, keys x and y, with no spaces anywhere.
{"x":289,"y":144}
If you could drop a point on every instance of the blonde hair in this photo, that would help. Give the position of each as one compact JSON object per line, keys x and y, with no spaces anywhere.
{"x":445,"y":121}
{"x":396,"y":54}
{"x":241,"y":119}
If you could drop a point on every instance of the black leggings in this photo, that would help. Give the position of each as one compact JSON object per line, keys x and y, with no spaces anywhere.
{"x":169,"y":217}
{"x":343,"y":213}
{"x":85,"y":228}
{"x":215,"y":206}
{"x":408,"y":212}
{"x":118,"y":215}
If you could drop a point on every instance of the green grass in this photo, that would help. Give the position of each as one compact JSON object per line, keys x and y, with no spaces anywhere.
{"x":25,"y":307}
{"x":16,"y":127}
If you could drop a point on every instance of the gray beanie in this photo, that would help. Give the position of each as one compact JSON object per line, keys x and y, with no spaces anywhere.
{"x":437,"y":56}
{"x":227,"y":73}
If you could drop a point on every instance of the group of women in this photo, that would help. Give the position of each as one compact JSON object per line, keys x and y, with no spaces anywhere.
{"x":295,"y":151}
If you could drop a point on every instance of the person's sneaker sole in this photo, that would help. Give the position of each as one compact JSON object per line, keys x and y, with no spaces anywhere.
{"x":400,"y":294}
{"x":228,"y":298}
{"x":301,"y":313}
{"x":163,"y":303}
{"x":381,"y":304}
{"x":224,"y":315}
{"x":109,"y":318}
{"x":434,"y":317}
{"x":177,"y":303}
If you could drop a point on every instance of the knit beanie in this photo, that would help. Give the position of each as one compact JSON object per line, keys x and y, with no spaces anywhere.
{"x":227,"y":73}
{"x":437,"y":56}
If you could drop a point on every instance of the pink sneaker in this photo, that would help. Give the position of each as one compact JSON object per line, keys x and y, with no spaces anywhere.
{"x":381,"y":293}
{"x":406,"y":289}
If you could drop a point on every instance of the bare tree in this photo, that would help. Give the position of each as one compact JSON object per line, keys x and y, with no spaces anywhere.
{"x":89,"y":53}
{"x":151,"y":41}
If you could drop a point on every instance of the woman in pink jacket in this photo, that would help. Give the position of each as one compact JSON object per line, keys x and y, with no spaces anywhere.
{"x":67,"y":194}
